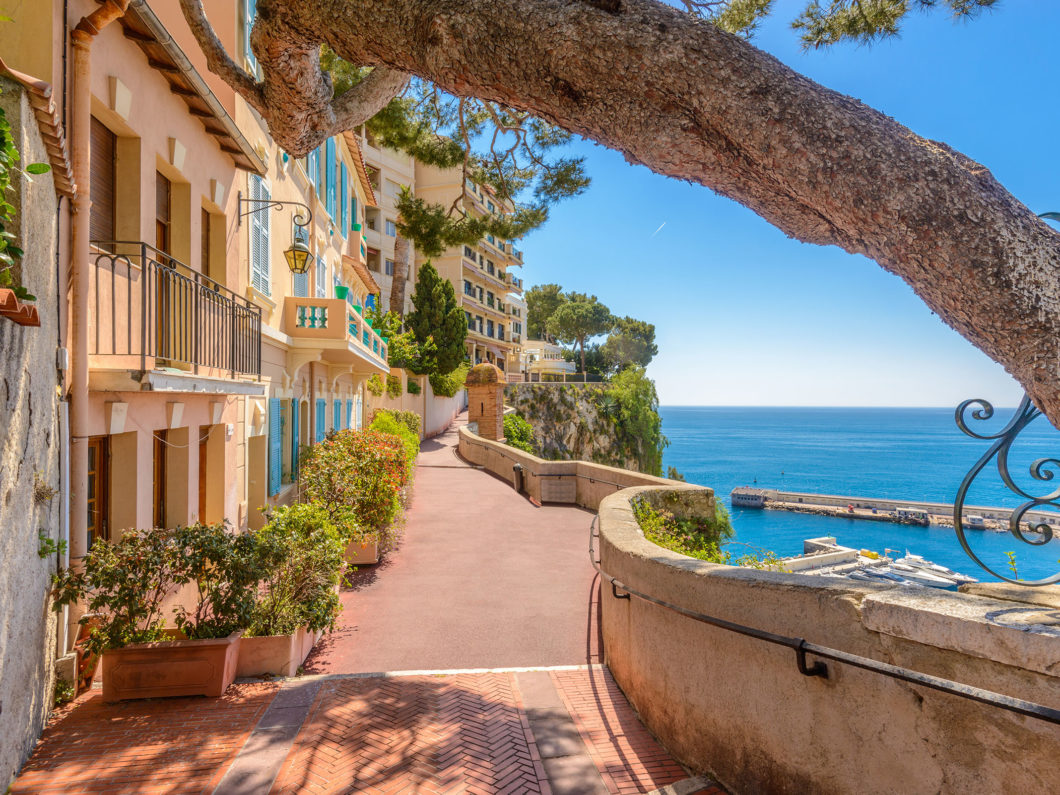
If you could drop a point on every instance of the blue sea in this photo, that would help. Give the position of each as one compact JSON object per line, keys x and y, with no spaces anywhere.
{"x":905,"y":454}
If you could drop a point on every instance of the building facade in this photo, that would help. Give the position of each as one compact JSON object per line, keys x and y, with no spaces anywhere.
{"x":481,"y":274}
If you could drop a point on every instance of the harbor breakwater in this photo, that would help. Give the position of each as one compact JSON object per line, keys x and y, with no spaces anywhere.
{"x":882,"y":510}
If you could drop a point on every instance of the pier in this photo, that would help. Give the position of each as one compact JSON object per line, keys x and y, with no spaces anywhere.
{"x":883,"y":510}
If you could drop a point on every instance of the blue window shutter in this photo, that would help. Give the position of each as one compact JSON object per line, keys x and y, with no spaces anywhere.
{"x":353,"y":210}
{"x":349,"y":413}
{"x":370,"y":301}
{"x":344,"y":185}
{"x":329,"y":175}
{"x":294,"y":439}
{"x":250,"y":11}
{"x":275,"y":442}
{"x":322,"y":420}
{"x":336,"y":415}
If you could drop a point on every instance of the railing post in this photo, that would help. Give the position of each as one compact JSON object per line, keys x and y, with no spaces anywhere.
{"x":232,"y":361}
{"x":196,"y":329}
{"x":144,"y":293}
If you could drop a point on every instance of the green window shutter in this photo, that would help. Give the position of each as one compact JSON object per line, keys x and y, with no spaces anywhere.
{"x":353,"y":212}
{"x":275,"y":442}
{"x":294,"y":439}
{"x":322,"y":420}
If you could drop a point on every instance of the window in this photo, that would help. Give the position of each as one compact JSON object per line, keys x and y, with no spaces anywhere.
{"x":392,"y":189}
{"x":250,"y":9}
{"x":470,"y":321}
{"x":489,"y":328}
{"x":163,"y":197}
{"x":479,"y":293}
{"x":322,"y":278}
{"x":330,"y":167}
{"x":98,"y":488}
{"x":478,"y":324}
{"x":159,"y":479}
{"x":500,"y":331}
{"x":389,"y":267}
{"x":469,"y":253}
{"x":259,"y":238}
{"x":491,"y":239}
{"x":468,"y":288}
{"x":391,"y":228}
{"x":489,"y":266}
{"x":104,"y":161}
{"x":490,"y":205}
{"x":312,"y":167}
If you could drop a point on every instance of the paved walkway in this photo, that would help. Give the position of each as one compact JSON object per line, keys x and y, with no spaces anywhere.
{"x":468,"y":662}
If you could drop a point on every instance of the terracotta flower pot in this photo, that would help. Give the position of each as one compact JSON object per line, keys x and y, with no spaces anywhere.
{"x":171,"y":668}
{"x":278,"y":655}
{"x":363,"y":552}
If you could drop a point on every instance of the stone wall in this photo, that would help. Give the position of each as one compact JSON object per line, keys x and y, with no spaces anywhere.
{"x":29,"y":452}
{"x":568,"y":422}
{"x":738,"y":707}
{"x":436,"y":412}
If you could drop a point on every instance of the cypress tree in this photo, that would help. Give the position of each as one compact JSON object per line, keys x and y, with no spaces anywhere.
{"x":437,"y":316}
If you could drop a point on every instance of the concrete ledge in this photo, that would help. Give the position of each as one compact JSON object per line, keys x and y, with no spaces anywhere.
{"x":738,"y":708}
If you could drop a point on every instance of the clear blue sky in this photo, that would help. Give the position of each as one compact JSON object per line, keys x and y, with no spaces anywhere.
{"x":745,"y":316}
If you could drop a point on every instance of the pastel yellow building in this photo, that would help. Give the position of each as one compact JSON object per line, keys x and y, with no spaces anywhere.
{"x":481,"y":274}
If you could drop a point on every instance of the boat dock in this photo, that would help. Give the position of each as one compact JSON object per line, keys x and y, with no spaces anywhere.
{"x":976,"y":517}
{"x":824,"y":557}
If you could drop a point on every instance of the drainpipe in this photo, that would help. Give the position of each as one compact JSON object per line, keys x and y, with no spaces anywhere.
{"x":79,"y":134}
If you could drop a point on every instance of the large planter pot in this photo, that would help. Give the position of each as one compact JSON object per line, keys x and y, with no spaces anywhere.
{"x":341,"y":291}
{"x":171,"y":668}
{"x":363,"y":552}
{"x":278,"y":655}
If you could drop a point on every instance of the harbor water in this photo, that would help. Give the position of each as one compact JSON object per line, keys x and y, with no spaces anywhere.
{"x":904,"y":454}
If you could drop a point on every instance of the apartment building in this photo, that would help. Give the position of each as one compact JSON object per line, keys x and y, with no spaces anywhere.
{"x":481,"y":274}
{"x":388,"y":172}
{"x":318,"y":348}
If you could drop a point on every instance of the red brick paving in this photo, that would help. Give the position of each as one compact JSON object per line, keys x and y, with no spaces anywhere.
{"x":629,"y":759}
{"x":172,"y":745}
{"x":462,"y":733}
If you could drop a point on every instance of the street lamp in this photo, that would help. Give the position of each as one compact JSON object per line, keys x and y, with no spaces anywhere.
{"x":298,"y":255}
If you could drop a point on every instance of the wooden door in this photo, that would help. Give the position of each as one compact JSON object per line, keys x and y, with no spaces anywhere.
{"x":159,"y":470}
{"x":204,"y":439}
{"x":98,"y":489}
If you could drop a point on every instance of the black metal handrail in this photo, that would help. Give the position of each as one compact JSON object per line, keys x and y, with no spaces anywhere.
{"x":802,"y":647}
{"x":185,"y":317}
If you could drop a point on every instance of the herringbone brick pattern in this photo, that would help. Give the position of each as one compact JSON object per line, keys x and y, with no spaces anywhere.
{"x":172,"y":745}
{"x":451,"y":734}
{"x":629,"y":759}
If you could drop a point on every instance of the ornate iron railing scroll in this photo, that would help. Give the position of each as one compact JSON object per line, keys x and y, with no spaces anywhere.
{"x":1042,"y":470}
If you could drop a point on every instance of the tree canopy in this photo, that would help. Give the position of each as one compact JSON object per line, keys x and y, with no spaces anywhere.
{"x":542,"y":300}
{"x":692,"y":101}
{"x":437,"y":323}
{"x":579,"y":318}
{"x":630,"y":343}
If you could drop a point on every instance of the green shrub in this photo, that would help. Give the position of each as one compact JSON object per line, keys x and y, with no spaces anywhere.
{"x":356,"y":476}
{"x":448,"y":385}
{"x":410,"y":419}
{"x":387,"y":422}
{"x":223,"y":567}
{"x":375,"y":384}
{"x":300,"y":554}
{"x":518,"y":432}
{"x":637,"y":424}
{"x":393,"y":386}
{"x":413,"y":387}
{"x":701,"y":537}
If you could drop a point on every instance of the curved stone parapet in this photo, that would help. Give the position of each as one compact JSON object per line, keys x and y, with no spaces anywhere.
{"x":739,"y":708}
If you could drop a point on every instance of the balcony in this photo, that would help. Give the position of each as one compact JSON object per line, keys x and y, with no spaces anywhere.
{"x":337,"y":330}
{"x":148,"y":310}
{"x":513,"y":282}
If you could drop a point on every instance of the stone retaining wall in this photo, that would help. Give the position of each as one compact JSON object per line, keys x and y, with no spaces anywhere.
{"x":738,"y":708}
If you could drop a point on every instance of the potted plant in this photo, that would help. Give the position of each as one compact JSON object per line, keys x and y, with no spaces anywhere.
{"x":126,"y":586}
{"x":300,"y":558}
{"x":342,"y":291}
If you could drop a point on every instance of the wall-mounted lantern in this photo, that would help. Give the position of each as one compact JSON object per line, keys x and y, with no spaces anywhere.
{"x":298,"y":255}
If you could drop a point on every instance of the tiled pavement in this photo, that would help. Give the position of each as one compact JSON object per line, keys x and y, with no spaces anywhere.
{"x":566,"y":729}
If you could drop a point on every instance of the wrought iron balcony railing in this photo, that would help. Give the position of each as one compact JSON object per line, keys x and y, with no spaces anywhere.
{"x":148,"y":308}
